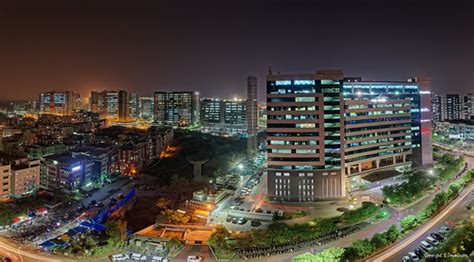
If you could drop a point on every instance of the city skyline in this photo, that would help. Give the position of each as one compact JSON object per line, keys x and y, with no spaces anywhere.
{"x":162,"y":47}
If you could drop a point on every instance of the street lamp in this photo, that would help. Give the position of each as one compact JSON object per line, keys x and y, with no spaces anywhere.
{"x":430,"y":172}
{"x":240,"y":166}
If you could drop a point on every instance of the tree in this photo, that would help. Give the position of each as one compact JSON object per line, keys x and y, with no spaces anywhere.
{"x":218,"y":238}
{"x":409,"y":222}
{"x":173,"y":217}
{"x":116,"y":230}
{"x":163,"y":203}
{"x":392,"y":233}
{"x":358,"y":249}
{"x":330,"y":254}
{"x":379,"y":241}
{"x":453,"y":190}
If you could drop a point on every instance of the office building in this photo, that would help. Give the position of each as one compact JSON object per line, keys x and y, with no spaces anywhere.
{"x":252,"y":115}
{"x":325,"y":132}
{"x":180,"y":108}
{"x":60,"y":103}
{"x":224,"y":115}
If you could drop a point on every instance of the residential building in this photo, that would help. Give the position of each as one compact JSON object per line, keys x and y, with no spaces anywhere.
{"x":60,"y":103}
{"x":25,"y":177}
{"x":67,"y":172}
{"x":145,"y":108}
{"x":5,"y":174}
{"x":179,"y":108}
{"x":252,"y":115}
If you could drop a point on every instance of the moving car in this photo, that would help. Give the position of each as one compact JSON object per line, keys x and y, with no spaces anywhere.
{"x":119,"y":257}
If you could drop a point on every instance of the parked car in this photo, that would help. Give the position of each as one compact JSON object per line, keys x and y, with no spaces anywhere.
{"x":156,"y":259}
{"x":406,"y":259}
{"x":413,"y":256}
{"x":119,"y":257}
{"x":432,"y":241}
{"x":242,"y":221}
{"x":138,"y":257}
{"x":194,"y":259}
{"x":420,"y":252}
{"x":444,"y":230}
{"x":437,"y":236}
{"x":426,"y":246}
{"x":255,"y":223}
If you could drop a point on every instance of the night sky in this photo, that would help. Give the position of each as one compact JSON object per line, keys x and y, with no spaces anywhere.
{"x":212,"y":46}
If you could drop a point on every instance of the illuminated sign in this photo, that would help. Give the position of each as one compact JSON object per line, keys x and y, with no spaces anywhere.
{"x":424,"y":109}
{"x":379,"y":100}
{"x":76,"y":168}
{"x":425,"y":92}
{"x":304,"y":82}
{"x":283,"y":82}
{"x":425,"y":120}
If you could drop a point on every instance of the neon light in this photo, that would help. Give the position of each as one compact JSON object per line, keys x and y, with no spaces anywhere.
{"x":76,"y":168}
{"x":425,"y":92}
{"x":425,"y":120}
{"x":424,"y":109}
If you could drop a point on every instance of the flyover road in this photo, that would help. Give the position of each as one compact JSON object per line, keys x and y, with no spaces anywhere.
{"x":410,"y":242}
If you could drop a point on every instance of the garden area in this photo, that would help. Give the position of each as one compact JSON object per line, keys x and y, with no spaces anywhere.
{"x":223,"y":153}
{"x":417,"y":183}
{"x":226,"y":244}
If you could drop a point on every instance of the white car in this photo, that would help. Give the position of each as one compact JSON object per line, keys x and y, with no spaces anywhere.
{"x":413,"y":256}
{"x":432,"y":241}
{"x":444,"y":230}
{"x":194,"y":259}
{"x":138,"y":257}
{"x":425,"y":245}
{"x":119,"y":257}
{"x":156,"y":259}
{"x":406,"y":259}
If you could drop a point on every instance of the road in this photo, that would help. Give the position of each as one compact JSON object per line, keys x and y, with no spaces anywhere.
{"x":25,"y":253}
{"x":454,"y":211}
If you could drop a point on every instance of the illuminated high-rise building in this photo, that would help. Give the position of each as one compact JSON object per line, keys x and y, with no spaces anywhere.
{"x":177,"y":108}
{"x":326,"y":132}
{"x":252,"y":115}
{"x":60,"y":102}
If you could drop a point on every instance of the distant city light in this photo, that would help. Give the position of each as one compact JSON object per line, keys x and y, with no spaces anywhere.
{"x":76,"y":168}
{"x":241,"y":166}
